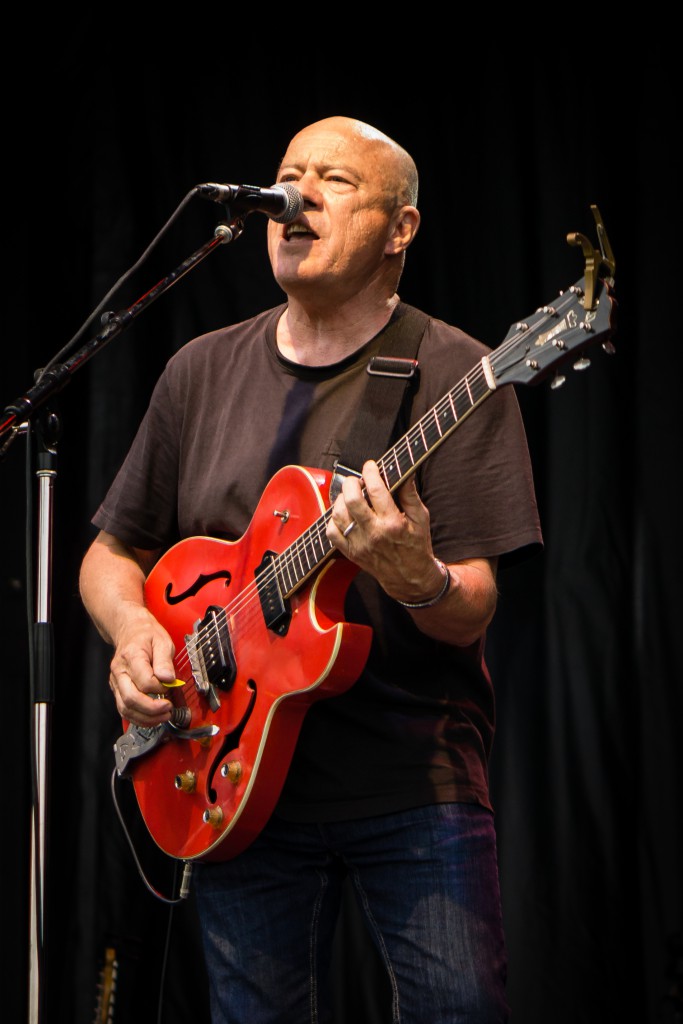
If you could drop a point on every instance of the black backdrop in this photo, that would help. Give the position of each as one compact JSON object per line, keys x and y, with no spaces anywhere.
{"x":110,"y":134}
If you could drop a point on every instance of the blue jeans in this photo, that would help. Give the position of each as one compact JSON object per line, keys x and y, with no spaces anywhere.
{"x":427,"y":883}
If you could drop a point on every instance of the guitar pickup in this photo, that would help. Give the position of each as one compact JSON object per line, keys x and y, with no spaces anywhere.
{"x":210,"y":652}
{"x":276,"y":611}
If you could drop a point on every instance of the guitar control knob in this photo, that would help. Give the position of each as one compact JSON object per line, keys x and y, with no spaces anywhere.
{"x":213,"y":816}
{"x":232,"y":770}
{"x":187,"y":781}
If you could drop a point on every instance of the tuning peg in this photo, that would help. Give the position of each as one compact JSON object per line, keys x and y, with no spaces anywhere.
{"x":609,"y":348}
{"x":582,"y":364}
{"x":557,"y":381}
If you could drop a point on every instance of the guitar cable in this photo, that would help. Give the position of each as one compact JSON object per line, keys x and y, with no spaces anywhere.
{"x":187,"y":867}
{"x":169,"y":901}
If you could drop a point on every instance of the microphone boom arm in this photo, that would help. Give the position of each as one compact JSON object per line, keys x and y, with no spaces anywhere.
{"x":55,"y":378}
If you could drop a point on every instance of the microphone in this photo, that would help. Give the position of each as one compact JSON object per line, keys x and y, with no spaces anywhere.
{"x":282,"y":203}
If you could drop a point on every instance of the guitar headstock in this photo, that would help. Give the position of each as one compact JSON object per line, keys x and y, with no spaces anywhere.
{"x":562,"y":332}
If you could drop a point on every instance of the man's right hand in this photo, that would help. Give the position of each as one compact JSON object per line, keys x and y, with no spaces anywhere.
{"x":142,"y":664}
{"x":112,"y":581}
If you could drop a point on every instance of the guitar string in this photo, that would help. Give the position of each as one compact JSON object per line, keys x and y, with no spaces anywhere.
{"x":245,"y":599}
{"x":294,"y":560}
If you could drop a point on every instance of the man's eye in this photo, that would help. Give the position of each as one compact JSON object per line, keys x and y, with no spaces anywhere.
{"x":340,"y":182}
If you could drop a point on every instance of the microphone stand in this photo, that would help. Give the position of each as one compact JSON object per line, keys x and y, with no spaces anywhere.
{"x":46,"y":431}
{"x":17,"y":418}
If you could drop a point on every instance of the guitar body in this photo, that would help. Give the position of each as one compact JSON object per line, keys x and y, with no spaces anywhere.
{"x":208,"y":798}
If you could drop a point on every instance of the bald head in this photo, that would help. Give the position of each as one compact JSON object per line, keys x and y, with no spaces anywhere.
{"x":399,"y":170}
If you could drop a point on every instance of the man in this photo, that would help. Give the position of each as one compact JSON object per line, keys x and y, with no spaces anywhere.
{"x":388,"y":782}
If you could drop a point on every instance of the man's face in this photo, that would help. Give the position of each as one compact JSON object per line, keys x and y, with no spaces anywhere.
{"x":338,"y":243}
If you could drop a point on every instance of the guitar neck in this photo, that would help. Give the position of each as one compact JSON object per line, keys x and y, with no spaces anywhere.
{"x":435,"y":426}
{"x":302,"y":558}
{"x":532,"y":349}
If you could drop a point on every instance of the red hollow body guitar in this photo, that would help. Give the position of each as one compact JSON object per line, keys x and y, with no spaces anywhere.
{"x":258,"y":623}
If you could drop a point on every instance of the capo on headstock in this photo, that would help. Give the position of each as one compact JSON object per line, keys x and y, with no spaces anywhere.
{"x":595,"y":259}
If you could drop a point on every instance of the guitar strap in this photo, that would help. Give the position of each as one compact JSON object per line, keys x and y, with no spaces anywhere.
{"x":390,"y":373}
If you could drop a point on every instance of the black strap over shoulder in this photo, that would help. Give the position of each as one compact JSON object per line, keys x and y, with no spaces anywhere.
{"x":390,"y":373}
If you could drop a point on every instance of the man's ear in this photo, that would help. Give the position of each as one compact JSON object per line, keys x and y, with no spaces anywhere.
{"x":406,"y":223}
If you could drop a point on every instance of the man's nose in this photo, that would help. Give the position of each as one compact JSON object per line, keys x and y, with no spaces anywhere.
{"x":309,"y":186}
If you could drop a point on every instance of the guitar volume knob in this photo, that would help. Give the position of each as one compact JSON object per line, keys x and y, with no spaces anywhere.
{"x":232,"y":770}
{"x":186,"y":781}
{"x":213,"y":816}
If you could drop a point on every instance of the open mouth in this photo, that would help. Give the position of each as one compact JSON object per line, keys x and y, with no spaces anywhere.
{"x":298,"y":230}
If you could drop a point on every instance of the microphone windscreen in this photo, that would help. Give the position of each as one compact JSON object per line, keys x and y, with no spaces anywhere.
{"x":295,"y":204}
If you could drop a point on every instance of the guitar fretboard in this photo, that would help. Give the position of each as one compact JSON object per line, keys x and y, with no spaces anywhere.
{"x":433,"y":428}
{"x":312,"y":548}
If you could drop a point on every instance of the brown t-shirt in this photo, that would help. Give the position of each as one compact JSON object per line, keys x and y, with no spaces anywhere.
{"x":227,"y":413}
